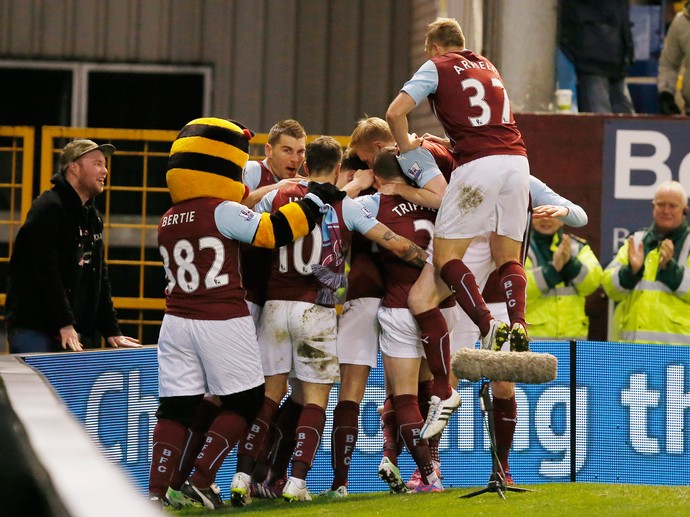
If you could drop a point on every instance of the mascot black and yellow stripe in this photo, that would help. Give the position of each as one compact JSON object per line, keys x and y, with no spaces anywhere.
{"x":207,"y":159}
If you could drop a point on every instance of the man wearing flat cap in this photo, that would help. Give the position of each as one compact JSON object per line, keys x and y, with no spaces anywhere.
{"x":58,"y":291}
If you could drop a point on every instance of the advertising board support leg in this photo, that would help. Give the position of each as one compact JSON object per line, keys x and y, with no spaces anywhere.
{"x":573,"y":411}
{"x":497,"y":480}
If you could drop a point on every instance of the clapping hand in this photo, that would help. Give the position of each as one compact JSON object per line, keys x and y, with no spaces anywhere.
{"x":665,"y":253}
{"x":635,"y":254}
{"x":562,"y":255}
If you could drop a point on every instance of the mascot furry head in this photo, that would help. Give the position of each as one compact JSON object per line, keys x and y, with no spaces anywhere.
{"x":207,"y":159}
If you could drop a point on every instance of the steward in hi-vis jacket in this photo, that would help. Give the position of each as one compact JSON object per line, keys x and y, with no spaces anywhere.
{"x":650,"y":276}
{"x":562,"y":271}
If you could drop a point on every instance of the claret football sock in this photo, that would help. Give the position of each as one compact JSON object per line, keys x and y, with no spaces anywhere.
{"x":206,"y":414}
{"x":221,"y":438}
{"x":514,"y":284}
{"x":505,"y":421}
{"x":308,"y":436}
{"x":251,"y":443}
{"x":169,"y":438}
{"x":436,"y":341}
{"x":464,"y":286}
{"x":343,"y":440}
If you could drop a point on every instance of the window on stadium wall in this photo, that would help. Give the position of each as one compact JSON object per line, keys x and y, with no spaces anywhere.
{"x":140,"y":100}
{"x":35,"y":96}
{"x":101,"y":95}
{"x":32,"y":97}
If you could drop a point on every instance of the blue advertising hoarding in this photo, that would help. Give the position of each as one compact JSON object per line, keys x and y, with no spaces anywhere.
{"x":637,"y":429}
{"x":631,"y":418}
{"x":639,"y":154}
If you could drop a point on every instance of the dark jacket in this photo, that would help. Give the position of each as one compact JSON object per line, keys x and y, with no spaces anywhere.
{"x":57,"y":272}
{"x":596,"y":35}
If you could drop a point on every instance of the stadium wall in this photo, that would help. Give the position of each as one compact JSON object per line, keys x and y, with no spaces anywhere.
{"x":324,"y":63}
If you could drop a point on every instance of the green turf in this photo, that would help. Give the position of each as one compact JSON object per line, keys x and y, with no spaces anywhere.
{"x":552,"y":499}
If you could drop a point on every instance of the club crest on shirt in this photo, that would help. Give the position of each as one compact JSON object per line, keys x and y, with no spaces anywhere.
{"x":247,"y":214}
{"x":367,"y":213}
{"x":414,"y":171}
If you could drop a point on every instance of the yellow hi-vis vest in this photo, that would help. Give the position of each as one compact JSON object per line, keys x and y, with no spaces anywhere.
{"x":558,"y":312}
{"x":651,"y":312}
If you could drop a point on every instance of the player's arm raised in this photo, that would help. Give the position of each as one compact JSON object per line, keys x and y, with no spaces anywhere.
{"x":396,"y":116}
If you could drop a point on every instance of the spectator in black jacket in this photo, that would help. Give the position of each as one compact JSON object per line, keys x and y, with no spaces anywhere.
{"x":58,"y":292}
{"x":597,"y":37}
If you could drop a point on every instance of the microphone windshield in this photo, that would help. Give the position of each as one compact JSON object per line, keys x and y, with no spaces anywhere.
{"x":524,"y":367}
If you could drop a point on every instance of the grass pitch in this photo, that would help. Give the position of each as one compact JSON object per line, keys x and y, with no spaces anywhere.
{"x":551,"y":499}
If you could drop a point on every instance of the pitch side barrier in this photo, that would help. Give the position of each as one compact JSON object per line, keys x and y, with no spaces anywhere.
{"x":625,"y":422}
{"x":50,"y":466}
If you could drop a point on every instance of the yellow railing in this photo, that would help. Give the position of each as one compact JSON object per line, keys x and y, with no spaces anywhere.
{"x":135,"y":197}
{"x":16,"y":182}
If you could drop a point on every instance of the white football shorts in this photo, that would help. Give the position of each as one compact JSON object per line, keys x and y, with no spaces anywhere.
{"x":485,"y":195}
{"x":358,"y":332}
{"x":400,"y":333}
{"x":219,"y":357}
{"x":299,"y":335}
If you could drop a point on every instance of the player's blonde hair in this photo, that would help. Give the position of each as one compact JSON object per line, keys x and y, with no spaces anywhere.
{"x":444,"y":31}
{"x":370,"y":130}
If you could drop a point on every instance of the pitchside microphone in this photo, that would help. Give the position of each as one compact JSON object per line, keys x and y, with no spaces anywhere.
{"x":525,"y":367}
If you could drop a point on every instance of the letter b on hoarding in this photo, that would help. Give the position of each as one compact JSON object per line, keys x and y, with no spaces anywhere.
{"x":654,"y":163}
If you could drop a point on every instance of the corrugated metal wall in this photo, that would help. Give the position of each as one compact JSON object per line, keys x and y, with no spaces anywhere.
{"x":325,"y":63}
